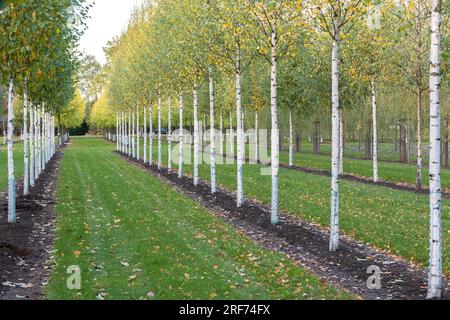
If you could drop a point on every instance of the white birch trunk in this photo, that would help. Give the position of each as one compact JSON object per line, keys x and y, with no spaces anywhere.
{"x":221,"y":135}
{"x":150,"y":123}
{"x":291,"y":141}
{"x":11,"y":177}
{"x":169,"y":134}
{"x":274,"y":216}
{"x":375,"y":133}
{"x":129,"y":134}
{"x":133,"y":135}
{"x":26,"y":179}
{"x":36,"y":143}
{"x":419,"y":141}
{"x":212,"y":148}
{"x":334,"y":223}
{"x":180,"y":147}
{"x":117,"y":132}
{"x":231,"y":138}
{"x":256,"y":138}
{"x":196,"y":136}
{"x":159,"y":132}
{"x":145,"y":134}
{"x":435,"y":268}
{"x":138,"y":136}
{"x":341,"y":141}
{"x":240,"y":157}
{"x":32,"y":165}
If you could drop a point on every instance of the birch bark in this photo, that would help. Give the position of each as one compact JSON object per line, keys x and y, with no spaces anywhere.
{"x":435,"y":268}
{"x":291,"y":140}
{"x":32,"y":165}
{"x":159,"y":131}
{"x":169,"y":134}
{"x":274,"y":217}
{"x":375,"y":134}
{"x":212,"y":148}
{"x":240,"y":157}
{"x":11,"y":177}
{"x":180,"y":147}
{"x":196,"y":136}
{"x":334,"y":223}
{"x":145,"y":134}
{"x":26,"y":179}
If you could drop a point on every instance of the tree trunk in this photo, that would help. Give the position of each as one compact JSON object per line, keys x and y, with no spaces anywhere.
{"x":334,"y":219}
{"x":274,"y":217}
{"x":402,"y":144}
{"x":221,"y":135}
{"x":212,"y":148}
{"x":368,"y":142}
{"x":129,"y":134}
{"x":159,"y":130}
{"x":169,"y":134}
{"x":150,"y":129}
{"x":297,"y":142}
{"x":11,"y":177}
{"x":341,"y":141}
{"x":230,"y":136}
{"x":196,"y":136}
{"x":419,"y":140}
{"x":375,"y":134}
{"x":26,"y":179}
{"x":316,"y":138}
{"x":138,"y":134}
{"x":359,"y":138}
{"x":32,"y":165}
{"x":133,"y":135}
{"x":291,"y":141}
{"x":145,"y":134}
{"x":256,"y":137}
{"x":435,"y":268}
{"x":240,"y":138}
{"x":180,"y":147}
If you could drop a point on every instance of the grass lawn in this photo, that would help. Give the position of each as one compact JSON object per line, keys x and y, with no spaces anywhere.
{"x":134,"y":237}
{"x":394,"y":220}
{"x":389,"y":171}
{"x":18,"y":163}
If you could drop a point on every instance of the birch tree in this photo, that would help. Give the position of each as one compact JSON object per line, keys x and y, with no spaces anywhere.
{"x":342,"y":14}
{"x":435,"y":268}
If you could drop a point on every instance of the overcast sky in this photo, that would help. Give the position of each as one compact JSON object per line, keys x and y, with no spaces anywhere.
{"x":108,"y":19}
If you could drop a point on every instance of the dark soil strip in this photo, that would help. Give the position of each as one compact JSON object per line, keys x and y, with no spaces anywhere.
{"x":307,"y":244}
{"x":26,"y":246}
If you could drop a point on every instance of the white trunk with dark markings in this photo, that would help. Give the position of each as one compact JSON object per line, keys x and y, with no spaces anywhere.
{"x":159,"y":131}
{"x":32,"y":156}
{"x":375,"y":134}
{"x":145,"y":134}
{"x":11,"y":177}
{"x":212,"y":148}
{"x":435,"y":267}
{"x":26,"y":177}
{"x":240,"y":151}
{"x":180,"y":146}
{"x":291,"y":140}
{"x":274,"y":217}
{"x":169,"y":134}
{"x":334,"y":221}
{"x":196,"y":136}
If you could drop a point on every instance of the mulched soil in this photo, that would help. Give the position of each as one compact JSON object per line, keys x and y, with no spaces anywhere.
{"x":307,"y":244}
{"x":26,"y":246}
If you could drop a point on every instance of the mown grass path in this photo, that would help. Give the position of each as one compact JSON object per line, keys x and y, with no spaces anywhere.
{"x":135,"y":238}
